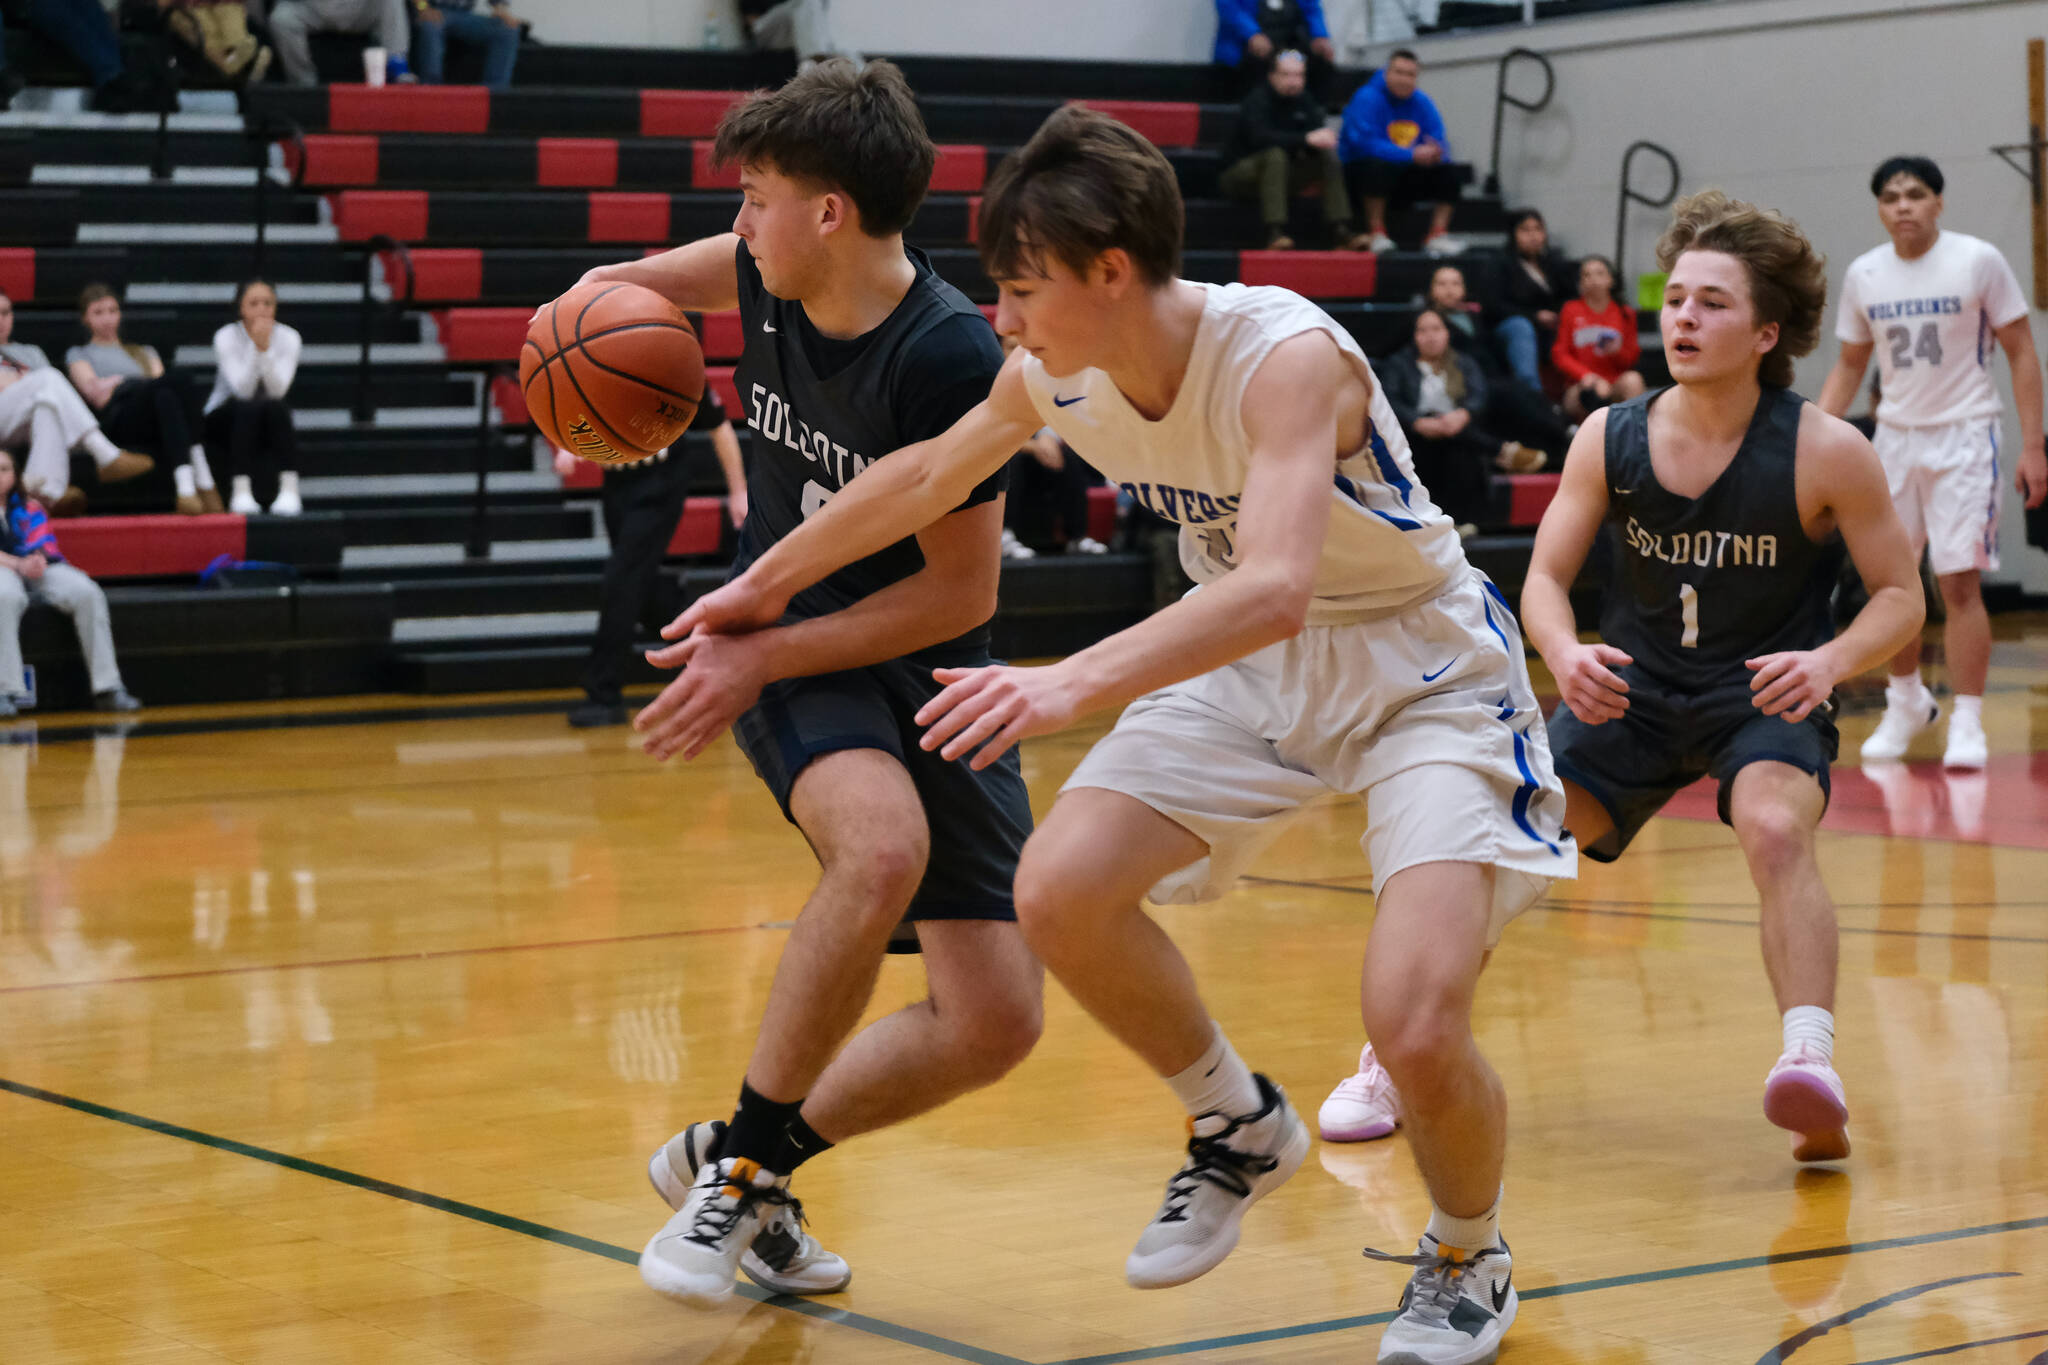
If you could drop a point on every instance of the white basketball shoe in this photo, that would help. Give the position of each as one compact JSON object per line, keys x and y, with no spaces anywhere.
{"x":1362,"y":1107}
{"x":782,"y":1258}
{"x":1902,"y":722}
{"x":1804,"y":1096}
{"x":1455,"y":1309}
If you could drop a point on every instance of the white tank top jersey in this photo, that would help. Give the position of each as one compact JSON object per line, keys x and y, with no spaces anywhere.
{"x":1932,"y":321}
{"x":1388,"y":547}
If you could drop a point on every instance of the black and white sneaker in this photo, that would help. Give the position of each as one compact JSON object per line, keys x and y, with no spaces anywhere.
{"x":1455,"y":1308}
{"x":782,"y":1258}
{"x":1232,"y":1164}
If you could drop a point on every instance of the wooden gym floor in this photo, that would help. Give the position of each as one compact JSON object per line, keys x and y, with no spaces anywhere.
{"x":332,"y":1037}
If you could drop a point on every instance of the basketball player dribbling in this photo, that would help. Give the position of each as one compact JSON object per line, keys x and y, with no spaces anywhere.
{"x":1339,"y":641}
{"x":853,"y":347}
{"x":1929,"y":303}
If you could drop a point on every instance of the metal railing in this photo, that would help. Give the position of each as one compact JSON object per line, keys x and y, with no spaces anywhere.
{"x":363,"y":409}
{"x":265,"y":129}
{"x":1502,"y":99}
{"x":1630,"y":194}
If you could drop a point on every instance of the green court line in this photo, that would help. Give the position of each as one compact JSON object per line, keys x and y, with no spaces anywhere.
{"x":1962,"y":1346}
{"x":1780,"y":1353}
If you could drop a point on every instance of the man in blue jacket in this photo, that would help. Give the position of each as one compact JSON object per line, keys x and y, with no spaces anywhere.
{"x":1393,"y":147}
{"x":1249,"y":32}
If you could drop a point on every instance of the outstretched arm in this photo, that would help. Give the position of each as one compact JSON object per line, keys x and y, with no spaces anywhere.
{"x":702,"y":276}
{"x":1585,"y":673}
{"x":1842,"y":382}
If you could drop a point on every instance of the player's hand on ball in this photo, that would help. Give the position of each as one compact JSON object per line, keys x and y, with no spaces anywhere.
{"x":2031,"y":478}
{"x":722,"y":676}
{"x":734,"y":609}
{"x":1589,"y":685}
{"x":994,"y":708}
{"x":1792,"y":684}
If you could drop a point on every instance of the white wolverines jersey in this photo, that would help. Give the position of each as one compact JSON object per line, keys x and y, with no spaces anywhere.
{"x":1931,"y":320}
{"x":1388,"y":546}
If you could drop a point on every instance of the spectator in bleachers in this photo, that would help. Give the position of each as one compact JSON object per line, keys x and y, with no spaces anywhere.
{"x":1597,"y":345}
{"x":248,"y":424}
{"x":83,"y":29}
{"x":1394,"y":147}
{"x":32,"y":569}
{"x":1249,"y":33}
{"x":802,"y":26}
{"x":442,"y":22}
{"x":141,"y":404}
{"x":643,"y":502}
{"x":294,"y":22}
{"x":1048,"y":502}
{"x":1437,"y":395}
{"x":1513,"y":408}
{"x":1279,"y":147}
{"x":218,"y":30}
{"x":1533,"y":290}
{"x":41,"y":414}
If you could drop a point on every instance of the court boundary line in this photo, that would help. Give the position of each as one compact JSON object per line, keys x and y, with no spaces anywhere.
{"x":945,"y":1346}
{"x":505,"y":1222}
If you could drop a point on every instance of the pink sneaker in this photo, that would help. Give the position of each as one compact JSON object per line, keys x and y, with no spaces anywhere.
{"x":1362,"y":1107}
{"x":1804,"y":1095}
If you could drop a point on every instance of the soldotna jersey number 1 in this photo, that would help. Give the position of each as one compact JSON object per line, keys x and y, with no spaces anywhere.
{"x":1931,"y":320}
{"x":1388,"y":546}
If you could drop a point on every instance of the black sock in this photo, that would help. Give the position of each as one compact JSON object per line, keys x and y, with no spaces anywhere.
{"x":800,"y":1142}
{"x":757,"y":1126}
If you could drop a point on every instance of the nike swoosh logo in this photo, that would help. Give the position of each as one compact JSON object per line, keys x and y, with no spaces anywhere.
{"x":768,"y":327}
{"x":1432,"y":677}
{"x":1500,"y":1298}
{"x":1060,"y":402}
{"x":1623,"y":491}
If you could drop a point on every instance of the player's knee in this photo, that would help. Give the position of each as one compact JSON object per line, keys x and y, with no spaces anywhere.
{"x":1775,"y":838}
{"x":1046,"y":899}
{"x":883,"y":875}
{"x":1416,"y":1035}
{"x":1959,"y":591}
{"x":999,"y":1030}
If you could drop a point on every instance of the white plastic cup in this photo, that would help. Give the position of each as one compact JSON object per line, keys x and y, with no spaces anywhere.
{"x":374,"y":59}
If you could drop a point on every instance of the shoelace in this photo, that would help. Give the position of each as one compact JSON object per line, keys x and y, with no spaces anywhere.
{"x":718,"y":1216}
{"x":1364,"y":1085}
{"x":1438,"y":1282}
{"x":786,"y":1222}
{"x":1224,"y":1167}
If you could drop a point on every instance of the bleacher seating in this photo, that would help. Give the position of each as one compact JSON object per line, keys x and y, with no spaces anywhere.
{"x":502,"y":201}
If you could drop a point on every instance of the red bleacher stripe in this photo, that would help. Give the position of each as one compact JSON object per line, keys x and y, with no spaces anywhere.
{"x":482,"y":333}
{"x":684,"y":113}
{"x":18,"y":272}
{"x":1529,"y":496}
{"x":719,"y":379}
{"x":706,"y":174}
{"x":148,"y":546}
{"x":447,"y":274}
{"x":1315,"y":274}
{"x":408,"y":108}
{"x":721,"y":335}
{"x":1102,"y":512}
{"x":988,"y":310}
{"x":577,"y":163}
{"x":973,"y":219}
{"x":701,"y":527}
{"x":337,"y":158}
{"x":361,"y":214}
{"x":621,"y":217}
{"x":1167,"y":123}
{"x":960,"y":169}
{"x":511,"y":402}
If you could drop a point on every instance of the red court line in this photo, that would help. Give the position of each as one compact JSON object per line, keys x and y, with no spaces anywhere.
{"x":386,"y":957}
{"x":2004,"y":806}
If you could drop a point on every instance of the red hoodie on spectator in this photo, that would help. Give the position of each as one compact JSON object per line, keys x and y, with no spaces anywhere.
{"x":1590,"y":343}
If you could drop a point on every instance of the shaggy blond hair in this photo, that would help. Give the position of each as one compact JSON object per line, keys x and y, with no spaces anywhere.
{"x":1788,"y":279}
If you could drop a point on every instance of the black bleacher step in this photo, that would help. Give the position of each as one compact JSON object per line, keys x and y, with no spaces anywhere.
{"x":438,"y":671}
{"x":439,"y":526}
{"x":41,"y":216}
{"x":469,"y":594}
{"x":183,"y":202}
{"x":354,"y":452}
{"x":97,"y":146}
{"x":295,"y":262}
{"x":352,"y":504}
{"x":168,"y":326}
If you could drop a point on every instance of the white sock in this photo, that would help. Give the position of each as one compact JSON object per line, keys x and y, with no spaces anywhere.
{"x":1903,"y":689}
{"x":1968,"y":708}
{"x":1467,"y":1235}
{"x":182,"y":476}
{"x":1812,"y":1027}
{"x":201,"y":470}
{"x":1218,"y":1083}
{"x":103,"y":451}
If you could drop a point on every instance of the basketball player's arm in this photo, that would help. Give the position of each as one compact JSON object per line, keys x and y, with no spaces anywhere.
{"x":1839,"y":391}
{"x":1838,"y":469}
{"x":2030,"y":471}
{"x":701,"y":276}
{"x":1281,"y":525}
{"x":1585,"y":672}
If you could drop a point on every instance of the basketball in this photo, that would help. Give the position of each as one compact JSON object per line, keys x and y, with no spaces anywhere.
{"x":611,"y":372}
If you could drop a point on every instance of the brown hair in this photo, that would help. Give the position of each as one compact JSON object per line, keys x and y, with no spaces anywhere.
{"x":1788,"y":279}
{"x":843,"y":126}
{"x":91,"y":295}
{"x":1083,"y":185}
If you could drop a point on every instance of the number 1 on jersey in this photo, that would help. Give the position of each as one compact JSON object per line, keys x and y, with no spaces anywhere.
{"x":1689,"y":612}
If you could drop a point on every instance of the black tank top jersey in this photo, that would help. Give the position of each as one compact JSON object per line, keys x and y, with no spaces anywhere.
{"x":1709,"y":582}
{"x":821,"y":410}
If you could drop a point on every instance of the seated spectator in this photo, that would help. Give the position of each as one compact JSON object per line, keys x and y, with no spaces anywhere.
{"x":1394,"y":147}
{"x":802,"y":26}
{"x":1249,"y":33}
{"x":1437,"y":395}
{"x":218,"y":30}
{"x":1513,"y":408}
{"x":1597,"y":346}
{"x":442,"y":22}
{"x":1533,"y":290}
{"x":140,"y":403}
{"x":1048,"y":503}
{"x":294,"y":22}
{"x":42,"y":414}
{"x":82,"y":28}
{"x":248,"y":424}
{"x":33,"y":570}
{"x":1279,"y":147}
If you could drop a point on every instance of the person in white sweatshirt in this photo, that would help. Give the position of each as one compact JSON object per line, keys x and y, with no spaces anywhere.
{"x":248,"y":423}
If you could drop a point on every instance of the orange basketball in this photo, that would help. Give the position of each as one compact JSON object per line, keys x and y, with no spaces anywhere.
{"x":611,"y":372}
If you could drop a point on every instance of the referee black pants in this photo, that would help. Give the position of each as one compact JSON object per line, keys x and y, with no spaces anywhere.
{"x":642,"y":504}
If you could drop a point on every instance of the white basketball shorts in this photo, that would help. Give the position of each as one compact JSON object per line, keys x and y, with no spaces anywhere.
{"x":1428,"y":715}
{"x":1946,"y":482}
